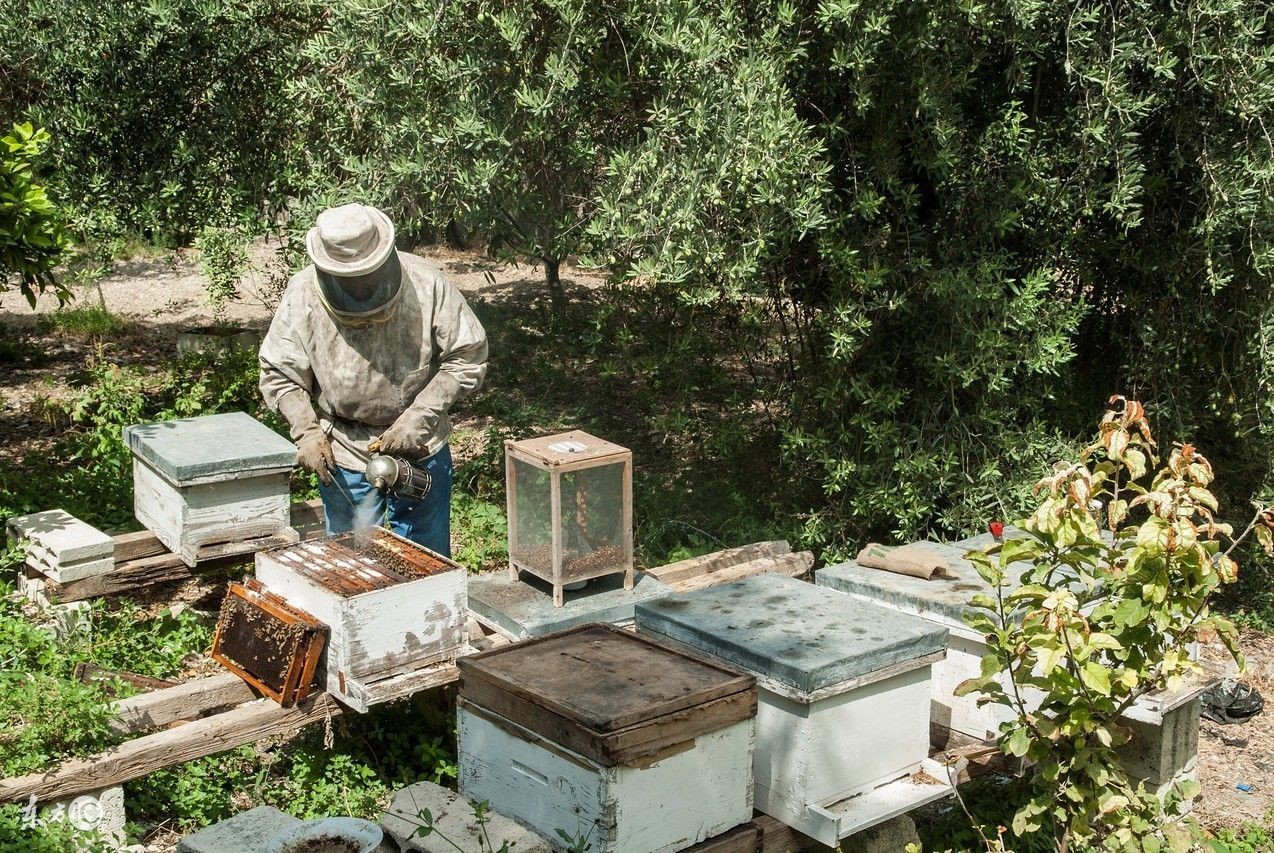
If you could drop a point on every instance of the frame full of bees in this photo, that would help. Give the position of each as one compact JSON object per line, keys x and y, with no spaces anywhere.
{"x":268,"y":643}
{"x":570,"y":509}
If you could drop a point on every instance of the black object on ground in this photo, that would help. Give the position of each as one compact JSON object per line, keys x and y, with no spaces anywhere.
{"x":1230,"y":702}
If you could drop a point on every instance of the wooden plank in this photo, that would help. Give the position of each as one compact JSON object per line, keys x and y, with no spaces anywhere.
{"x":134,"y":546}
{"x":695,"y":566}
{"x":91,"y":673}
{"x":778,"y":837}
{"x":182,"y":702}
{"x":792,"y":565}
{"x":136,"y":758}
{"x":162,"y":568}
{"x":745,"y":838}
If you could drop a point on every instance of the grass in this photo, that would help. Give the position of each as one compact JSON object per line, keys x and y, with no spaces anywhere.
{"x":94,"y":323}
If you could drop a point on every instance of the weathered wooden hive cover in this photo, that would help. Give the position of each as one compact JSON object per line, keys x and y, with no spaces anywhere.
{"x":210,"y":447}
{"x":606,"y":693}
{"x":804,"y":637}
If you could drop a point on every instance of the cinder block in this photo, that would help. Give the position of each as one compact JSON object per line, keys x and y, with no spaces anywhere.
{"x":61,"y":537}
{"x":891,"y":836}
{"x":246,"y":831}
{"x":453,"y":817}
{"x":1163,"y":750}
{"x":101,"y":811}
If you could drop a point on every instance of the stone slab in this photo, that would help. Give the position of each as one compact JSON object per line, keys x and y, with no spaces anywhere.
{"x":61,"y":537}
{"x":453,"y":817}
{"x":246,"y":832}
{"x":802,"y":635}
{"x":524,"y":608}
{"x":213,"y":445}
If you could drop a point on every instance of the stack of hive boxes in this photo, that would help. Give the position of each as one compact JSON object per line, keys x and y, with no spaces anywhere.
{"x":844,"y":689}
{"x":608,"y":736}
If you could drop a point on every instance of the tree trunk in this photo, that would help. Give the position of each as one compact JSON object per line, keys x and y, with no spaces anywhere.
{"x":553,"y":276}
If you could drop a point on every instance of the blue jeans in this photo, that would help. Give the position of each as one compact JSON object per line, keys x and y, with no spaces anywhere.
{"x":350,"y":501}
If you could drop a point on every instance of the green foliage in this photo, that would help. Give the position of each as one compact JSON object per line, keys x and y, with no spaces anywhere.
{"x":1248,"y":838}
{"x":1090,"y":620}
{"x":223,"y":260}
{"x":166,"y":115}
{"x":31,"y":235}
{"x":89,"y":467}
{"x":17,"y":833}
{"x":354,"y":774}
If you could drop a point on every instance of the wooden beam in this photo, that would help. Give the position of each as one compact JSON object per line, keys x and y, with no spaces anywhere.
{"x":136,"y":758}
{"x":778,"y":837}
{"x":696,"y":566}
{"x":184,"y":701}
{"x":792,"y":565}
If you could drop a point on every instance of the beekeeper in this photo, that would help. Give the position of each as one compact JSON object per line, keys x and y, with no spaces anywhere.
{"x":370,"y":345}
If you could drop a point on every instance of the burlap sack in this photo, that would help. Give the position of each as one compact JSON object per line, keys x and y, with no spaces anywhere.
{"x":914,"y":560}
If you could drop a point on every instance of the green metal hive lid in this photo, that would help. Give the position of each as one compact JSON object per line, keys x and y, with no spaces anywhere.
{"x":210,"y":446}
{"x":793,"y":632}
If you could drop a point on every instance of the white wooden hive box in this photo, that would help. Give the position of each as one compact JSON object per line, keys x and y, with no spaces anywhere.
{"x":843,"y":691}
{"x":945,"y":602}
{"x":601,"y":733}
{"x":391,"y":606}
{"x":211,"y":480}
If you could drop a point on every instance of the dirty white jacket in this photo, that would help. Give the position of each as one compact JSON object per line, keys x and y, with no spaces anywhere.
{"x":417,"y":355}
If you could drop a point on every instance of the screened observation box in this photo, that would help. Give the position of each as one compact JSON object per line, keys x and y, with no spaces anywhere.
{"x":570,"y":506}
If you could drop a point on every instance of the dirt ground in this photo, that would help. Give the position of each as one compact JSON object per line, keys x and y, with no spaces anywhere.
{"x":158,"y":296}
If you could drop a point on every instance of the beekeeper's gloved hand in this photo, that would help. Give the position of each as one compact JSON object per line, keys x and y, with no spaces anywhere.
{"x":313,"y":449}
{"x":403,"y":436}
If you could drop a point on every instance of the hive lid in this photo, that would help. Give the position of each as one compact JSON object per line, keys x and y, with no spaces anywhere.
{"x":792,"y":632}
{"x":943,"y":599}
{"x":607,"y":693}
{"x":210,"y":447}
{"x":567,"y":448}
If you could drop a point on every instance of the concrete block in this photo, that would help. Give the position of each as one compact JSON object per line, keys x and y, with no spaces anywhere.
{"x":791,"y":631}
{"x":246,"y":832}
{"x":45,"y":563}
{"x":61,"y":538}
{"x":524,"y":608}
{"x":453,"y":817}
{"x":1163,"y":751}
{"x":210,"y":446}
{"x":892,"y":836}
{"x":100,"y":811}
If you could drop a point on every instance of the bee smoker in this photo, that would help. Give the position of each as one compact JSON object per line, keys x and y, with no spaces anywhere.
{"x":398,"y":477}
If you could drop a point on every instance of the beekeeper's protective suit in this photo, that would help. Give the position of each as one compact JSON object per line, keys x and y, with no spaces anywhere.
{"x":380,"y":344}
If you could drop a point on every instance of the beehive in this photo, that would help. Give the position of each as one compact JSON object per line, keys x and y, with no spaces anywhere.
{"x":214,"y":480}
{"x":1163,"y":749}
{"x":391,"y":606}
{"x":268,"y":643}
{"x":570,"y":500}
{"x":601,"y":733}
{"x":843,"y":686}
